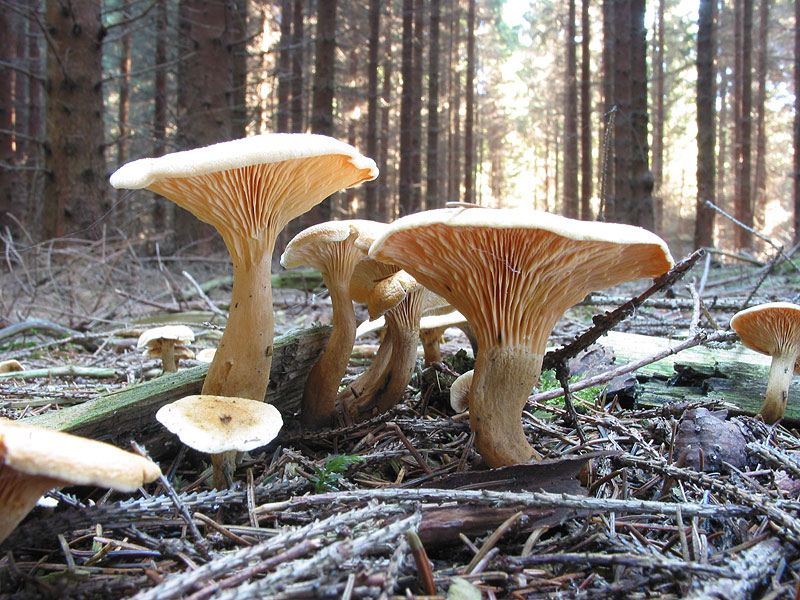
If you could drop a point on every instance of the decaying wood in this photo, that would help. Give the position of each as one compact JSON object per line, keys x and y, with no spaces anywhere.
{"x":121,"y":415}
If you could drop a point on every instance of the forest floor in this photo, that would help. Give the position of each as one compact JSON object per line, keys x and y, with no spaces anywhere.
{"x":402,"y":506}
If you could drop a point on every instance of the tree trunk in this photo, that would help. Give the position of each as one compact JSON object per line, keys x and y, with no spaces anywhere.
{"x":706,"y":126}
{"x":123,"y":105}
{"x":7,"y":158}
{"x":469,"y":119}
{"x":454,"y":109}
{"x":162,"y":213}
{"x":744,"y":205}
{"x":433,"y":197}
{"x":285,"y":50}
{"x":658,"y":118}
{"x":373,"y":212}
{"x":623,"y":132}
{"x":641,"y":178}
{"x":416,"y":202}
{"x":571,"y":203}
{"x":76,"y":186}
{"x":385,"y":197}
{"x":298,"y":44}
{"x":237,"y":17}
{"x":606,"y":158}
{"x":406,"y":183}
{"x":760,"y":179}
{"x":796,"y":140}
{"x":587,"y":187}
{"x":205,"y":82}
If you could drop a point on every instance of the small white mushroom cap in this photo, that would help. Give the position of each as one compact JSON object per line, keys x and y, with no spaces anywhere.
{"x":180,"y":334}
{"x":459,"y":392}
{"x":216,"y":424}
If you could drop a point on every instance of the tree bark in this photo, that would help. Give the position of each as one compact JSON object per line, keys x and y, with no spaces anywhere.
{"x":432,"y":196}
{"x":286,"y":48}
{"x":571,"y":202}
{"x":658,"y":118}
{"x":469,"y":118}
{"x":606,"y":158}
{"x":298,"y":61}
{"x":744,"y":212}
{"x":623,"y":132}
{"x":760,"y":178}
{"x":7,"y":158}
{"x":641,"y":178}
{"x":796,"y":140}
{"x":587,"y":187}
{"x":236,"y":42}
{"x":706,"y":126}
{"x":373,"y":212}
{"x":76,"y":187}
{"x":406,"y":183}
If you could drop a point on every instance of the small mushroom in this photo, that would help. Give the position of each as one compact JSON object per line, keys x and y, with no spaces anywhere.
{"x":206,"y":355}
{"x":432,"y":328}
{"x":34,"y":460}
{"x":459,"y":392}
{"x":11,"y":366}
{"x":169,"y":343}
{"x":513,"y":273}
{"x":221,"y":426}
{"x":773,"y":328}
{"x":333,"y":248}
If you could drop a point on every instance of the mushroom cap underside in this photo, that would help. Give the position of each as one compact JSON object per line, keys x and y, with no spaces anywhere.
{"x":316,"y":246}
{"x":177,"y":333}
{"x":513,"y":272}
{"x":770,"y":328}
{"x":72,"y":459}
{"x":216,"y":424}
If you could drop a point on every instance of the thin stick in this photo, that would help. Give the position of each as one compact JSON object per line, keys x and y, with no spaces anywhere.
{"x":203,"y":295}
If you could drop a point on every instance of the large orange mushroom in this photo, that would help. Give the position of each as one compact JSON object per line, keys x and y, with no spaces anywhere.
{"x":513,"y":273}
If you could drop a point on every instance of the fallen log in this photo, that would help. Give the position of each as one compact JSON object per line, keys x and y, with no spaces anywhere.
{"x":119,"y":416}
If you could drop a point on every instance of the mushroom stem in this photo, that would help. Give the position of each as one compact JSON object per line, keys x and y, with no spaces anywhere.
{"x":501,"y":384}
{"x":168,"y":362}
{"x":322,"y":385}
{"x":780,"y":378}
{"x":369,"y":378}
{"x":242,"y":361}
{"x":18,"y":494}
{"x":241,"y":364}
{"x":431,"y":338}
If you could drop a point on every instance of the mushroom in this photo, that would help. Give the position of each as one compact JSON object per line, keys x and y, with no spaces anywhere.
{"x":513,"y":273}
{"x":11,"y":366}
{"x":773,"y":328}
{"x":206,"y":355}
{"x":249,"y":189}
{"x":333,"y":248}
{"x":459,"y":391}
{"x":432,"y":328}
{"x":169,"y":343}
{"x":34,"y":460}
{"x":401,"y":300}
{"x":221,"y":426}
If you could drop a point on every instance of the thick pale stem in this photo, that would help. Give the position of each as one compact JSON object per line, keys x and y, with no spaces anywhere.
{"x":241,"y":364}
{"x":18,"y":495}
{"x":322,"y":385}
{"x":503,"y":379}
{"x":780,"y":378}
{"x":369,"y":378}
{"x":431,"y":338}
{"x":242,"y":361}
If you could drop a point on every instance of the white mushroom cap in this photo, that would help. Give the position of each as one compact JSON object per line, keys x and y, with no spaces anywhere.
{"x":34,"y":460}
{"x":216,"y":424}
{"x":314,"y":246}
{"x":180,"y":334}
{"x":72,"y":459}
{"x":236,"y":154}
{"x":459,"y":392}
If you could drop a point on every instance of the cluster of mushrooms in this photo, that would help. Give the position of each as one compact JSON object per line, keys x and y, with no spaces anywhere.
{"x":510,"y":274}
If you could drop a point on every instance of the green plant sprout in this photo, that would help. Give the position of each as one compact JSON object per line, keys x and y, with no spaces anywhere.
{"x":335,"y":466}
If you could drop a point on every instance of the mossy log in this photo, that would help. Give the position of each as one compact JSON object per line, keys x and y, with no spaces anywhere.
{"x":120,"y":416}
{"x":734,"y":374}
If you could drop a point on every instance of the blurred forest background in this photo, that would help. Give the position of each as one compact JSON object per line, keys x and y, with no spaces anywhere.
{"x":621,"y":110}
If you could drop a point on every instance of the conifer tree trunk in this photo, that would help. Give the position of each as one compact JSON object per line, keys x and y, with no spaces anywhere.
{"x":406,"y":183}
{"x":297,"y":66}
{"x":706,"y":126}
{"x":7,"y":159}
{"x":796,"y":140}
{"x":658,"y":117}
{"x":76,"y":187}
{"x":469,"y":118}
{"x":236,"y":42}
{"x":623,"y":132}
{"x":744,"y":201}
{"x":284,"y":67}
{"x":641,"y":178}
{"x":587,"y":187}
{"x":373,"y":212}
{"x":433,"y":196}
{"x":571,"y":201}
{"x":760,"y":179}
{"x":606,"y":155}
